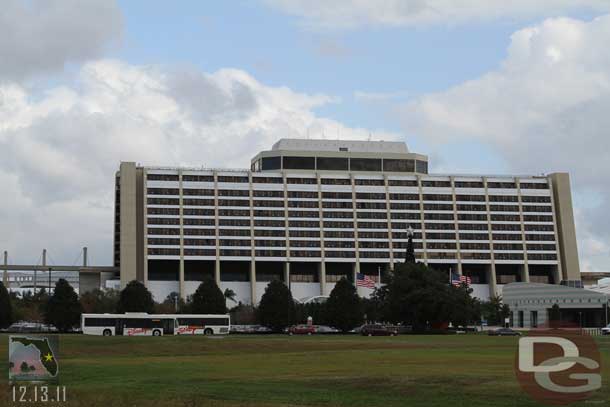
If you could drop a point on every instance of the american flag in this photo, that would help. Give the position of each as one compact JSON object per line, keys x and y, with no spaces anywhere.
{"x":457,"y":279}
{"x":362,"y":280}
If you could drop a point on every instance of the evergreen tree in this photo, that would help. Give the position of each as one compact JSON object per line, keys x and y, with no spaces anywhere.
{"x":135,"y":297}
{"x":423,"y":297}
{"x":63,"y":310}
{"x":6,"y":307}
{"x":555,"y":316}
{"x":99,"y":301}
{"x":344,"y":306}
{"x":276,"y":309}
{"x":208,"y":299}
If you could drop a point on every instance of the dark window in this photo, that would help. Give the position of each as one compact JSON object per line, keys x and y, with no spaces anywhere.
{"x":365,"y":164}
{"x":98,"y":322}
{"x":198,"y":178}
{"x":336,"y":181}
{"x":437,"y":184}
{"x":299,"y":163}
{"x":301,"y":181}
{"x":271,"y":163}
{"x":267,"y":180}
{"x":232,"y":179}
{"x":332,"y":163}
{"x":421,"y":167}
{"x":398,"y":165}
{"x":161,"y":177}
{"x":402,"y":183}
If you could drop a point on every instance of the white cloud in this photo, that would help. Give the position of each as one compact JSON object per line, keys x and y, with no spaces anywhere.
{"x":546,"y":109}
{"x":59,"y":150}
{"x":354,"y":13}
{"x":42,"y":36}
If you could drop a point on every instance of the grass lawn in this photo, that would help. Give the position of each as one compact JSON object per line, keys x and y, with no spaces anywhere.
{"x":458,"y":370}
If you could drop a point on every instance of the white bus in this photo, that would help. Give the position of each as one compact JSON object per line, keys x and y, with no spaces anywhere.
{"x":143,"y":324}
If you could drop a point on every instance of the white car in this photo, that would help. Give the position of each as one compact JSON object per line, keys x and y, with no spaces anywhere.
{"x":606,"y":330}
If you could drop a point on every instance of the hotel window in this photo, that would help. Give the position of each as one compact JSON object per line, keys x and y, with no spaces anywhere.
{"x":404,"y":226}
{"x":198,"y":178}
{"x":404,"y":197}
{"x":440,"y":226}
{"x":472,"y":216}
{"x":545,"y":238}
{"x":163,"y":252}
{"x":531,"y":208}
{"x":303,"y":214}
{"x":268,"y":213}
{"x":304,"y":253}
{"x":471,"y":236}
{"x":438,"y":207}
{"x":303,"y":224}
{"x":471,"y":208}
{"x":372,"y":215}
{"x":470,"y":198}
{"x":340,"y":244}
{"x":504,"y":208}
{"x":269,"y":233}
{"x":163,"y":221}
{"x":540,"y":228}
{"x":408,"y":206}
{"x":197,"y":202}
{"x":365,"y":164}
{"x":372,"y":225}
{"x":304,"y":233}
{"x":468,"y":184}
{"x":344,"y":234}
{"x":534,"y":319}
{"x":338,"y":225}
{"x":340,"y":205}
{"x":271,"y":163}
{"x":232,"y":179}
{"x":268,"y":204}
{"x":472,"y":226}
{"x":508,"y":227}
{"x":234,"y":242}
{"x":270,"y":243}
{"x":233,"y":192}
{"x":402,"y":183}
{"x":442,"y":236}
{"x":199,"y":242}
{"x":269,"y":223}
{"x":161,"y":177}
{"x":505,"y":218}
{"x":537,"y":218}
{"x":503,"y":198}
{"x":370,"y":205}
{"x":299,"y":163}
{"x":344,"y":215}
{"x":235,"y":232}
{"x":233,"y":212}
{"x":301,"y":181}
{"x":503,"y":185}
{"x":235,"y":252}
{"x":163,"y":211}
{"x":268,"y":194}
{"x":474,"y":246}
{"x":339,"y":254}
{"x":398,"y":165}
{"x":199,"y":232}
{"x":527,"y":185}
{"x":508,"y":246}
{"x":335,"y":181}
{"x":436,"y":184}
{"x":536,"y":199}
{"x":332,"y":164}
{"x":163,"y":191}
{"x":437,"y":197}
{"x":503,"y":236}
{"x":162,"y":231}
{"x":438,"y":216}
{"x":421,"y":167}
{"x":269,"y":253}
{"x":370,"y":195}
{"x":402,"y":215}
{"x":198,"y":212}
{"x":199,"y":222}
{"x":304,"y":243}
{"x":267,"y":180}
{"x":163,"y":201}
{"x":234,"y":222}
{"x":306,"y":194}
{"x":370,"y":182}
{"x":336,"y":195}
{"x":308,"y":204}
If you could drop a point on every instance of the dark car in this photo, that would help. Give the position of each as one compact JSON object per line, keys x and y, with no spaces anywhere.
{"x":302,"y":330}
{"x":378,"y":330}
{"x":503,"y":332}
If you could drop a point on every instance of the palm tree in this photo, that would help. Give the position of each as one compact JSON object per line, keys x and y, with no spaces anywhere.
{"x":230,"y":295}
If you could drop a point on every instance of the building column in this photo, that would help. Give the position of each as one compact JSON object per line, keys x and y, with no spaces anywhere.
{"x":217,"y":271}
{"x":322,"y":273}
{"x":355,"y":271}
{"x":181,"y":214}
{"x":491,"y":280}
{"x":287,"y":274}
{"x":253,"y":281}
{"x":525,"y":273}
{"x":5,"y":273}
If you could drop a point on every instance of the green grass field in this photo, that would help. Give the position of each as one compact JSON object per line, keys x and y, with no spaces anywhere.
{"x":462,"y":370}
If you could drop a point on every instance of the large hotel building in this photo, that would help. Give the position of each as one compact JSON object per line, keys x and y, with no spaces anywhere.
{"x":310,"y":212}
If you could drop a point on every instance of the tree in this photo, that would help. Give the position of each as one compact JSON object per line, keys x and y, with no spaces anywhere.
{"x":344,"y":307}
{"x":24,"y":367}
{"x":135,"y":297}
{"x":171,"y":305}
{"x":494,"y":311}
{"x":230,"y":295}
{"x":99,"y":301}
{"x":63,"y":310}
{"x":276,"y":309}
{"x":6,"y":307}
{"x":208,"y":299}
{"x":422,"y":297}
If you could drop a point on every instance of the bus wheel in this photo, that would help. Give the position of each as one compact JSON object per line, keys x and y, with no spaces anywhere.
{"x":156,"y":332}
{"x":208,"y":331}
{"x":107,"y":332}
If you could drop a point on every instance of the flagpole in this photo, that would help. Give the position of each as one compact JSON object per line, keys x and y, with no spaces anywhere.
{"x":379,"y":275}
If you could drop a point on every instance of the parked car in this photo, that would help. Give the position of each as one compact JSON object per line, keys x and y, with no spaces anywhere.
{"x":27,"y":327}
{"x":378,"y":330}
{"x":606,"y":330}
{"x":302,"y":330}
{"x":324,"y":329}
{"x":503,"y":332}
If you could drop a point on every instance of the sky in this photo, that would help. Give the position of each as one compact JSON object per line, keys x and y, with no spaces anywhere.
{"x":481,"y":86}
